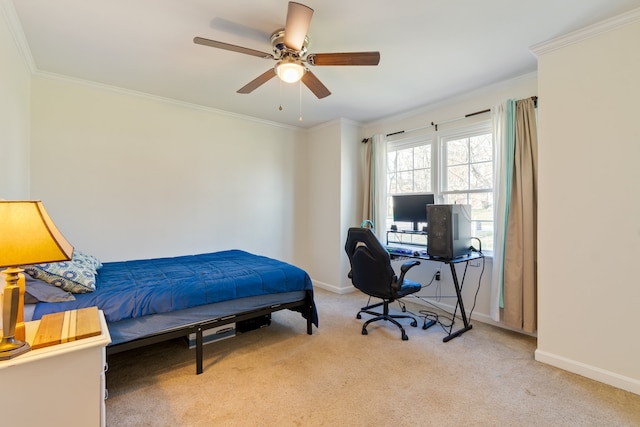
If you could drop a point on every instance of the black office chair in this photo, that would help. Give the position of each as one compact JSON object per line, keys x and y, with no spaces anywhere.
{"x":372,"y":273}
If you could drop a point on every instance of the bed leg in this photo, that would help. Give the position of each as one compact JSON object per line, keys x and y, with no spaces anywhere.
{"x":309,"y":323}
{"x":309,"y":301}
{"x":199,"y":350}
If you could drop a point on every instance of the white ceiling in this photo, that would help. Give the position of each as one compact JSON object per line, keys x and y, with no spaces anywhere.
{"x":430,"y":49}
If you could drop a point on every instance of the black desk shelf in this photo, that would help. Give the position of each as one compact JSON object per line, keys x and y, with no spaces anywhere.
{"x":406,"y":233}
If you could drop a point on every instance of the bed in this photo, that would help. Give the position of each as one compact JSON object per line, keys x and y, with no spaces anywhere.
{"x":148,"y":301}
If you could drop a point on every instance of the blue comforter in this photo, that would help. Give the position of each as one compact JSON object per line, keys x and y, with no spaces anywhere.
{"x":130,"y":289}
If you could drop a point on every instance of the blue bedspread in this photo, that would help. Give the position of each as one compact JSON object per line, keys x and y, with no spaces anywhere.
{"x":130,"y":289}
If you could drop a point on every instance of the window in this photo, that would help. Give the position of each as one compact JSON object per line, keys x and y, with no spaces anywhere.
{"x":456,"y":165}
{"x":410,"y":170}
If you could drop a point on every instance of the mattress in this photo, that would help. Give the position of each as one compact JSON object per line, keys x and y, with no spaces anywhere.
{"x":141,"y":288}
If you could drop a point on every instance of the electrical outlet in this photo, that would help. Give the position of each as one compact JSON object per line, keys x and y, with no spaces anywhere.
{"x":437,"y":275}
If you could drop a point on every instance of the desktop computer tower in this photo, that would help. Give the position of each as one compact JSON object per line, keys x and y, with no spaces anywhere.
{"x":448,"y":230}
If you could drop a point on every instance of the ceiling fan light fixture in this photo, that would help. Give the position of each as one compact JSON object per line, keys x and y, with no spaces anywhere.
{"x":289,"y":71}
{"x":289,"y":46}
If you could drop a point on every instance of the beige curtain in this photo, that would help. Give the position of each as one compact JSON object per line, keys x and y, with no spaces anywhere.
{"x":375,"y":184}
{"x":520,"y":282}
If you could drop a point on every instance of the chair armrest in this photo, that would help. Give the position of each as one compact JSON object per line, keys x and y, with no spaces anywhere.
{"x":404,"y":268}
{"x":408,"y":265}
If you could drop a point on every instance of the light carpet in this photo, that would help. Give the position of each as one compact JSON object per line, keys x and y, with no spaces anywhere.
{"x":280,"y":376}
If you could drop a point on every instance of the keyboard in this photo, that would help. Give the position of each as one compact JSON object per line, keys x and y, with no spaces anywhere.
{"x":404,"y":251}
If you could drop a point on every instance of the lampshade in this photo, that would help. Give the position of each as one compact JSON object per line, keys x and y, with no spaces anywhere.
{"x":29,"y":236}
{"x":289,"y":70}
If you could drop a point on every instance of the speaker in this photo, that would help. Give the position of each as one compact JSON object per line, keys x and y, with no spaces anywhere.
{"x":448,"y":230}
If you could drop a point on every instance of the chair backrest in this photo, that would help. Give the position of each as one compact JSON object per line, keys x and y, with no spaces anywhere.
{"x":371,"y":270}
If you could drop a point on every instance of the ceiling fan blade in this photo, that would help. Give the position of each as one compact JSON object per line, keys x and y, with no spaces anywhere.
{"x":344,"y":58}
{"x":311,"y":81}
{"x":231,"y":47}
{"x":258,"y":81}
{"x":297,"y":25}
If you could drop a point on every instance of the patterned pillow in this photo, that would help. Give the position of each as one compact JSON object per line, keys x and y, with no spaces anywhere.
{"x":77,"y":276}
{"x":87,"y":259}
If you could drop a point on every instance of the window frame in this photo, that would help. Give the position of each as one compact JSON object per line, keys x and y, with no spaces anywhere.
{"x":439,"y":168}
{"x":413,"y":142}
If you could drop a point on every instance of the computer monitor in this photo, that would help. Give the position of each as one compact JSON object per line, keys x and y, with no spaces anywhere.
{"x":411,"y":208}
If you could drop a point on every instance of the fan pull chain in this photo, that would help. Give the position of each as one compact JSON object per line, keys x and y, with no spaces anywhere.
{"x":280,"y":107}
{"x":300,"y":100}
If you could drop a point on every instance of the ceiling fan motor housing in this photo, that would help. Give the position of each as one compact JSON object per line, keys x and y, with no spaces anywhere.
{"x":279,"y":48}
{"x":289,"y":46}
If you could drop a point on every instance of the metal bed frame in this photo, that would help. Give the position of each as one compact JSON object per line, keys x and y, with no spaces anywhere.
{"x":304,"y":305}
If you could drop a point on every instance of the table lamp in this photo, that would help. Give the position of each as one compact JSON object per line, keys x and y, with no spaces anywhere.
{"x":27,"y":236}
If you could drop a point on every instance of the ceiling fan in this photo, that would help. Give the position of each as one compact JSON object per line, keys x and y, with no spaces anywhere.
{"x":289,"y":46}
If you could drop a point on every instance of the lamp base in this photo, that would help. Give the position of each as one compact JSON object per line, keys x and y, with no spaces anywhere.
{"x":10,"y":348}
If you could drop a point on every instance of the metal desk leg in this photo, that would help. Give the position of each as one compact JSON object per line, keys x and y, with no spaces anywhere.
{"x":460,"y":303}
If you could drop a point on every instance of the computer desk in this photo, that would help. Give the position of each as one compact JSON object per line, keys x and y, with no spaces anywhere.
{"x":420,"y":254}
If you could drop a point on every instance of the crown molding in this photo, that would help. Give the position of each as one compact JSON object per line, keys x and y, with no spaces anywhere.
{"x":340,"y":121}
{"x":15,"y":28}
{"x":156,"y":98}
{"x":453,"y":100}
{"x":586,"y":32}
{"x":8,"y":12}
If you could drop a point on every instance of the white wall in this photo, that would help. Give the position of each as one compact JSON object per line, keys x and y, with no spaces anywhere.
{"x":351,"y":195}
{"x":15,"y":82}
{"x":589,"y":203}
{"x":478,"y":274}
{"x":334,"y":201}
{"x":323,"y":198}
{"x":128,"y":176}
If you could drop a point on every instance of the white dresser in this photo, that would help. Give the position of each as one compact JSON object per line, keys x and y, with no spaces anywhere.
{"x":60,"y":385}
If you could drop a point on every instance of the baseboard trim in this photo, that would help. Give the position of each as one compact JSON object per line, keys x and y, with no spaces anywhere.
{"x":332,"y":288}
{"x":476,"y":316}
{"x":602,"y":375}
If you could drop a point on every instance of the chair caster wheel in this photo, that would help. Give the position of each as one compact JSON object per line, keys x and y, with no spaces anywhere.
{"x":364,"y":332}
{"x":358,"y":316}
{"x":405,"y":337}
{"x":414,"y":323}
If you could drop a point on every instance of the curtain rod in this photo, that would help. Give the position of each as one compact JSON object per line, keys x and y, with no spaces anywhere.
{"x":435,"y":125}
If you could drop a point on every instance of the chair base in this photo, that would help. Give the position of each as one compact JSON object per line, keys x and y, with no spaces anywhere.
{"x":385,"y":316}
